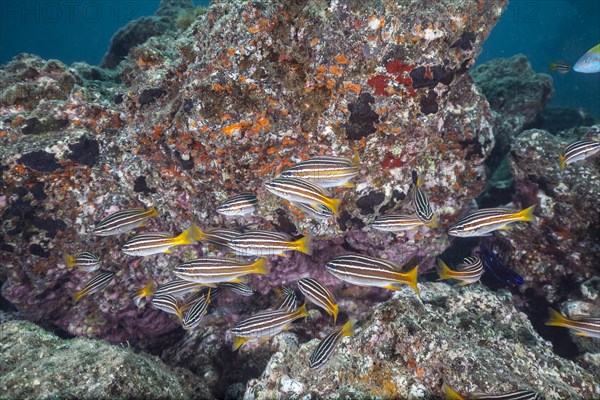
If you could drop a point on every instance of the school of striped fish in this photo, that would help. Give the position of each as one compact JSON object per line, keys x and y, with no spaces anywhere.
{"x":197,"y":282}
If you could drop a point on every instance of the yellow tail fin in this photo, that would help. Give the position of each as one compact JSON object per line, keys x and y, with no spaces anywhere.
{"x":334,"y":205}
{"x":147,"y":290}
{"x":69,"y":260}
{"x":301,"y":312}
{"x":190,"y":235}
{"x":433,"y":223}
{"x":562,"y":161}
{"x":556,"y":319}
{"x":356,"y":159}
{"x":443,"y":270}
{"x":260,"y":266}
{"x":303,"y":245}
{"x":152,"y":212}
{"x":78,"y":295}
{"x":334,"y":310}
{"x":348,"y":328}
{"x":451,"y":394}
{"x":238,"y":342}
{"x":526,"y":214}
{"x":410,"y":278}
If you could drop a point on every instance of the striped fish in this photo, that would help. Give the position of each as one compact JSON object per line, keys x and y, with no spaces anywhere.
{"x":486,"y":220}
{"x":420,"y":202}
{"x":238,"y":288}
{"x":241,"y":204}
{"x":370,"y":271}
{"x":265,"y":243}
{"x":196,"y":311}
{"x":265,"y":324}
{"x":577,"y":151}
{"x":298,"y":190}
{"x":194,"y":297}
{"x":139,"y":299}
{"x":325,"y":350}
{"x":580,"y":326}
{"x":220,"y":237}
{"x":86,"y":261}
{"x":325,"y":171}
{"x":320,"y":295}
{"x":168,"y":304}
{"x":562,"y":67}
{"x":96,"y":284}
{"x":400,"y":222}
{"x":178,"y":288}
{"x":123,"y":221}
{"x":318,"y":211}
{"x":209,"y":270}
{"x":148,"y":244}
{"x":516,"y":395}
{"x":469,"y":271}
{"x":288,"y":299}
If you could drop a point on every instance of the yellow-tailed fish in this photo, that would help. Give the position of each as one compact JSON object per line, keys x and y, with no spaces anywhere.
{"x":325,"y":350}
{"x":196,"y":312}
{"x":577,"y":151}
{"x":370,"y":271}
{"x":288,"y":299}
{"x":486,"y":220}
{"x":211,"y":270}
{"x":123,"y":221}
{"x":238,"y":288}
{"x":515,"y":395}
{"x":325,"y":171}
{"x":562,"y":67}
{"x":168,"y":304}
{"x":320,"y":295}
{"x":86,"y":261}
{"x":265,"y":324}
{"x":96,"y":284}
{"x":469,"y":271}
{"x":420,"y":202}
{"x":318,"y":211}
{"x":265,"y":243}
{"x":178,"y":288}
{"x":140,"y":297}
{"x":298,"y":190}
{"x":147,"y":244}
{"x":580,"y":326}
{"x":400,"y":222}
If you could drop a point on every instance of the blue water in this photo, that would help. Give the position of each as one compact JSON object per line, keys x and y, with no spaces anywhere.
{"x":543,"y":30}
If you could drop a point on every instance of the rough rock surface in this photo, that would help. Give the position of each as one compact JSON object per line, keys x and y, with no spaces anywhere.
{"x":470,"y":338}
{"x":249,"y":89}
{"x":36,"y":364}
{"x":138,"y":31}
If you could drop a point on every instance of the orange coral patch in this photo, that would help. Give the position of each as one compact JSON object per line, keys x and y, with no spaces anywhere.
{"x":341,"y":59}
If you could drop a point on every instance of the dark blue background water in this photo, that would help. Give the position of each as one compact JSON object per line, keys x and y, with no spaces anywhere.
{"x":544,"y":30}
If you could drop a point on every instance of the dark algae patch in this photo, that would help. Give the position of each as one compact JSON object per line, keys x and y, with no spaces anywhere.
{"x":40,"y":161}
{"x":85,"y":151}
{"x":362,"y":118}
{"x":140,"y":186}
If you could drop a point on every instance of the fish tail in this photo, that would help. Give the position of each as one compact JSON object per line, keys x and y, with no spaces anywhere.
{"x":553,"y":67}
{"x":433,"y":223}
{"x":451,"y":394}
{"x":190,"y":235}
{"x":348,"y":328}
{"x":302,"y":312}
{"x":208,"y":296}
{"x":526,"y":214}
{"x":260,"y":266}
{"x":419,"y":181}
{"x":411,"y":279}
{"x":303,"y":245}
{"x":69,"y":260}
{"x":78,"y":295}
{"x":443,"y":270}
{"x":356,"y":159}
{"x":334,"y":311}
{"x":334,"y":205}
{"x":147,"y":290}
{"x":278,"y":292}
{"x":152,"y":212}
{"x":180,"y":312}
{"x":238,"y":341}
{"x":556,"y":319}
{"x":562,"y":161}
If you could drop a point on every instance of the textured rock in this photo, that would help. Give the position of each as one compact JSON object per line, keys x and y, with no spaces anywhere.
{"x":470,"y":338}
{"x":36,"y":364}
{"x":224,"y":108}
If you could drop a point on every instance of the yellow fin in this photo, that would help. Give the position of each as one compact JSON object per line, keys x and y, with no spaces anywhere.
{"x":410,"y":278}
{"x":334,"y":205}
{"x":260,"y":266}
{"x":168,"y":251}
{"x":238,"y":279}
{"x":301,"y":312}
{"x":334,"y":311}
{"x":190,"y":235}
{"x":147,"y":290}
{"x":69,"y":260}
{"x":451,"y":394}
{"x":152,"y":212}
{"x":79,"y":294}
{"x":443,"y":270}
{"x":356,"y":159}
{"x":278,"y":292}
{"x":348,"y":185}
{"x":433,"y":223}
{"x":556,"y":319}
{"x":526,"y":214}
{"x":238,"y":341}
{"x":303,"y":245}
{"x":562,"y":161}
{"x":348,"y":328}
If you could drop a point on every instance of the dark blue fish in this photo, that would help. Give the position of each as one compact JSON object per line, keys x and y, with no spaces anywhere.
{"x":495,"y":263}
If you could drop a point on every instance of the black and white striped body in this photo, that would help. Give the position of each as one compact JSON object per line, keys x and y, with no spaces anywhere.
{"x":123,"y":221}
{"x":96,"y":284}
{"x":580,"y":150}
{"x":516,"y":395}
{"x":298,"y":190}
{"x":85,"y":261}
{"x":209,"y":270}
{"x":168,"y":304}
{"x":318,"y":211}
{"x":364,"y":271}
{"x":482,"y":222}
{"x":288,"y":301}
{"x":325,"y":171}
{"x":148,"y":244}
{"x":261,"y":243}
{"x":241,"y":204}
{"x":421,"y":204}
{"x":325,"y":350}
{"x":196,"y":312}
{"x":238,"y":288}
{"x":178,"y":288}
{"x":397,"y":222}
{"x":266,"y":323}
{"x":319,"y":295}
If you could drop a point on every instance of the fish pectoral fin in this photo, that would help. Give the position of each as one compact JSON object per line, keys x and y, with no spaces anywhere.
{"x":578,"y":333}
{"x":393,"y":286}
{"x":348,"y":185}
{"x":168,"y":251}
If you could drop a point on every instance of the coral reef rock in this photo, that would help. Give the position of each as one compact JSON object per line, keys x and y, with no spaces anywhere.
{"x":248,"y":89}
{"x":470,"y":338}
{"x":38,"y":364}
